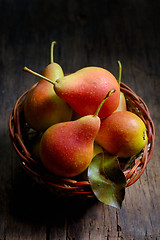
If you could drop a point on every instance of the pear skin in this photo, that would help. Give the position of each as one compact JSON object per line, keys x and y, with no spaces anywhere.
{"x":123,"y":134}
{"x":122,"y":103}
{"x":66,"y":149}
{"x":85,"y":89}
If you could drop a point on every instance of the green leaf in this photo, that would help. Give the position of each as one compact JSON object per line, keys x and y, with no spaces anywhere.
{"x":107,"y":179}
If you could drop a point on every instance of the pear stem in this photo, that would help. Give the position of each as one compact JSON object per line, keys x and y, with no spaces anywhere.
{"x":52,"y":47}
{"x":38,"y":75}
{"x":120,"y":72}
{"x":104,"y":99}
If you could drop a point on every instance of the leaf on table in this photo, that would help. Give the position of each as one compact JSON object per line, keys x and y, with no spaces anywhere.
{"x":107,"y":179}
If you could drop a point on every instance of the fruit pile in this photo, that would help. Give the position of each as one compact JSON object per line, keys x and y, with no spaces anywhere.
{"x":81,"y":115}
{"x":76,"y":110}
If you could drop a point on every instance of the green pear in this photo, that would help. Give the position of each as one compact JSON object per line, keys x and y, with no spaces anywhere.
{"x":42,"y":107}
{"x":85,"y":89}
{"x":122,"y":134}
{"x":66,"y":149}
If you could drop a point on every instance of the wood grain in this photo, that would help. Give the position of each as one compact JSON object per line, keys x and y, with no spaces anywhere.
{"x":87,"y":33}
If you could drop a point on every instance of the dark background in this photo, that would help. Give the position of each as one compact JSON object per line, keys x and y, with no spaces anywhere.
{"x":87,"y":33}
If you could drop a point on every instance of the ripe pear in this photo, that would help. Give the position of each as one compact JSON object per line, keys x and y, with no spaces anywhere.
{"x":85,"y":89}
{"x":66,"y":149}
{"x":42,"y":107}
{"x":123,"y":134}
{"x":122,"y":101}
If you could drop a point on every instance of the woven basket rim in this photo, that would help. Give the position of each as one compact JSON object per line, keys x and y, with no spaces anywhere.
{"x":68,"y":184}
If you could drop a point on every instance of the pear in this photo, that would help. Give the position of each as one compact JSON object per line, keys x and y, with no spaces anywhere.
{"x":35,"y":146}
{"x":67,"y":148}
{"x":85,"y":89}
{"x":123,"y":134}
{"x":42,"y":107}
{"x":122,"y":101}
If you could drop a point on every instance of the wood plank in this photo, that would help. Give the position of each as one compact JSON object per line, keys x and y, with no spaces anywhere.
{"x":87,"y":33}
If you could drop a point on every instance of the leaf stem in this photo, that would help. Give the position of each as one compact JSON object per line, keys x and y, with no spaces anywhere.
{"x":38,"y":75}
{"x":52,"y":47}
{"x":120,"y":72}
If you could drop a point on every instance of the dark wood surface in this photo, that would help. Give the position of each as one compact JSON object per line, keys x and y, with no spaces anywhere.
{"x":87,"y":33}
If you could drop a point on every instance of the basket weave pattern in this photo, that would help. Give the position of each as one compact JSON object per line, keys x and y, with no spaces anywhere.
{"x":74,"y":186}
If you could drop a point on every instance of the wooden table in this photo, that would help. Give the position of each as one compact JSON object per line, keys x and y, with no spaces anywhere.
{"x":87,"y":33}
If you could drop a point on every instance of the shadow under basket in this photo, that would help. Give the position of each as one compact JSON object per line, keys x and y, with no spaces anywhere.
{"x":21,"y":135}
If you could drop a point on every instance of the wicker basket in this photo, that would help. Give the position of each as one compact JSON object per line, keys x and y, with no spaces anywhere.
{"x":78,"y":186}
